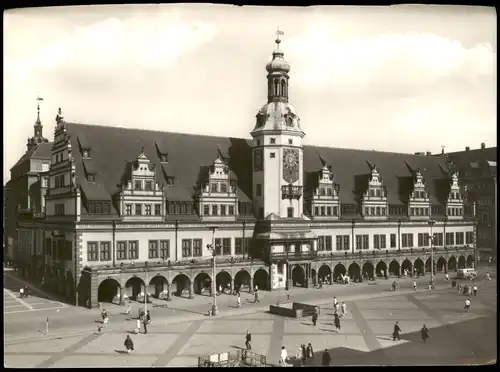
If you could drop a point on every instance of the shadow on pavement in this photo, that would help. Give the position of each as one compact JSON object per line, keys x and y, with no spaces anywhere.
{"x":464,"y":343}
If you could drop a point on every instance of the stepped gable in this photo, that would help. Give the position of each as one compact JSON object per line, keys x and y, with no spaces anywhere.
{"x":189,"y":156}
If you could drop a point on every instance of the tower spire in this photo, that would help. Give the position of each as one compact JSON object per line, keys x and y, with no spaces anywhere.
{"x":37,"y":128}
{"x":277,"y":78}
{"x":38,"y":98}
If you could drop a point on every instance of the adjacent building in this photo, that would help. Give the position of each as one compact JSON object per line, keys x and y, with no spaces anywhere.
{"x":478,"y":171}
{"x":130,"y":211}
{"x":24,"y":193}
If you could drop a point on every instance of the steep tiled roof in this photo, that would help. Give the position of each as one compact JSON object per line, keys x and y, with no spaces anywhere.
{"x":189,"y":157}
{"x":41,"y":151}
{"x":474,"y":163}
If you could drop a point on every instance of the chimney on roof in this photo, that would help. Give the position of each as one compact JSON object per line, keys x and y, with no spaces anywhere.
{"x":428,"y":153}
{"x":467,"y":148}
{"x":483,"y":145}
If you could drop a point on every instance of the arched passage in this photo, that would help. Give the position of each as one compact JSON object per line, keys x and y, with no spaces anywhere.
{"x":394,"y":268}
{"x":452,"y":263}
{"x":441,"y":264}
{"x":223,"y":279}
{"x":261,"y":279}
{"x":461,"y":262}
{"x":107,"y":290}
{"x":407,"y":267}
{"x":298,"y":276}
{"x":180,"y":285}
{"x":428,"y":265}
{"x":354,"y":271}
{"x":202,"y":284}
{"x":338,"y":271}
{"x":419,"y":266}
{"x":133,"y":287}
{"x":324,"y":273}
{"x":381,"y":269}
{"x":368,"y":270}
{"x":242,"y":280}
{"x":157,"y":285}
{"x":470,"y":261}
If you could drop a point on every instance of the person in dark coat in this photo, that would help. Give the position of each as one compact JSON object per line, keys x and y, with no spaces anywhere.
{"x":424,"y":333}
{"x":327,"y":358}
{"x":336,"y":322}
{"x":145,"y":324}
{"x":395,"y":334}
{"x":304,"y":353}
{"x":148,"y":317}
{"x":309,"y":351}
{"x":248,"y":340}
{"x":129,"y":344}
{"x":315,"y":317}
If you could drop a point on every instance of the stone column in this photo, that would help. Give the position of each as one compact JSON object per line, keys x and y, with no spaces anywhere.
{"x":445,"y":267}
{"x":315,"y":278}
{"x":401,"y":271}
{"x":250,"y":285}
{"x":309,"y":281}
{"x":191,"y":289}
{"x":289,"y":281}
{"x":374,"y":273}
{"x":232,"y":283}
{"x":122,"y":295}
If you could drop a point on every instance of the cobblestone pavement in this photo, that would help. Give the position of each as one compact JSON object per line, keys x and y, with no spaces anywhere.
{"x":365,"y":335}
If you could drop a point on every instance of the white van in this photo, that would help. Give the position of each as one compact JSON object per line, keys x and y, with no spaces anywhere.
{"x":466,"y":273}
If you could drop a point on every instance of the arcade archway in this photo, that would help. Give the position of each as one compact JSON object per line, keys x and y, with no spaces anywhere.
{"x":354,"y":271}
{"x":180,"y":285}
{"x":407,"y":267}
{"x":470,"y":261}
{"x":133,"y":287}
{"x":324,"y":273}
{"x":157,"y":285}
{"x":202,"y":284}
{"x":381,"y":269}
{"x":441,"y":265}
{"x":298,"y":276}
{"x":461,"y":262}
{"x":242,"y":280}
{"x":452,"y":263}
{"x":338,"y":271}
{"x":419,"y":266}
{"x":107,"y":290}
{"x":428,"y":265}
{"x":394,"y":268}
{"x":223,"y":279}
{"x":261,"y":279}
{"x":368,"y":270}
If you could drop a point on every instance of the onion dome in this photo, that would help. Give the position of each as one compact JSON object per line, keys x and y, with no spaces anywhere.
{"x":278,"y":63}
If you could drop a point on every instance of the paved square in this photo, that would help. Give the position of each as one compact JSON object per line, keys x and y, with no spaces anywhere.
{"x":366,"y":334}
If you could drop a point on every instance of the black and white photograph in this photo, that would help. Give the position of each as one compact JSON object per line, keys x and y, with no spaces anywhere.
{"x":213,"y":185}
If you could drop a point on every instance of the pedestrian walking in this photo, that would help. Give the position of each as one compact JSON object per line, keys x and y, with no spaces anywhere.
{"x":336,"y":322}
{"x":424,"y":333}
{"x":148,"y":317}
{"x":25,"y":291}
{"x":488,"y":276}
{"x":309,"y":351}
{"x":467,"y":305}
{"x":283,"y":357}
{"x":344,"y":308}
{"x":238,"y":300}
{"x":414,"y":285}
{"x":315,"y":317}
{"x":140,"y":313}
{"x":104,"y":316}
{"x":128,"y":310}
{"x":248,"y":340}
{"x":395,"y":334}
{"x":138,"y":326}
{"x":327,"y":358}
{"x":469,"y":290}
{"x":129,"y":344}
{"x":304,"y":354}
{"x":475,"y":290}
{"x":21,"y":292}
{"x":446,"y":277}
{"x":256,"y":296}
{"x":298,"y":357}
{"x":145,"y":324}
{"x":459,"y":288}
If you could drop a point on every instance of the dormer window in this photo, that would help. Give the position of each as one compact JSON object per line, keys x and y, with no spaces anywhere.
{"x":91,"y":177}
{"x":138,"y":185}
{"x":223,"y":187}
{"x":213,"y":187}
{"x":86,"y":154}
{"x":149,"y":185}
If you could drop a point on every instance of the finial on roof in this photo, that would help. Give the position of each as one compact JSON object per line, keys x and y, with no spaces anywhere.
{"x":142,"y":149}
{"x":278,"y":34}
{"x":442,"y":149}
{"x":38,"y":98}
{"x":323,"y":161}
{"x":59,"y":116}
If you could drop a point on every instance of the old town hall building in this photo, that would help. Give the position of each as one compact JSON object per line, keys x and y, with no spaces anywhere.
{"x":132,"y":210}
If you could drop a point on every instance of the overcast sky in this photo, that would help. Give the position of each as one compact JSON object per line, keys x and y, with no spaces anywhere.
{"x":399,"y":78}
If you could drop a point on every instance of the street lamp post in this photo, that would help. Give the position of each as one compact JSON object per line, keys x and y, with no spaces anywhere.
{"x":212,"y":249}
{"x":431,"y":238}
{"x":146,"y":288}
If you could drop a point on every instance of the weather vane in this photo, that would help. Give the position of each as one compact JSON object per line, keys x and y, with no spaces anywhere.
{"x":278,"y":34}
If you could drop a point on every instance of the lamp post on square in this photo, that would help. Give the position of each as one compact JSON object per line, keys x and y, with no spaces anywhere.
{"x":213,"y":250}
{"x":431,"y":239}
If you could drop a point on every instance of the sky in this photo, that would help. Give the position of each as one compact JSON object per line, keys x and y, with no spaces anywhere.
{"x":408,"y":78}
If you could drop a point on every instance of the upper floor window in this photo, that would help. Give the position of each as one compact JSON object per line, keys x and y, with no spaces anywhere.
{"x":157,"y":209}
{"x":290,"y":212}
{"x":258,"y":190}
{"x":214,"y":210}
{"x":128,"y":209}
{"x":213,"y":187}
{"x":223,"y":187}
{"x":206,"y":210}
{"x":272,"y":141}
{"x":230,"y":210}
{"x":138,"y":209}
{"x":148,"y":209}
{"x":223,"y":210}
{"x":138,"y":185}
{"x":290,"y":141}
{"x":149,"y":185}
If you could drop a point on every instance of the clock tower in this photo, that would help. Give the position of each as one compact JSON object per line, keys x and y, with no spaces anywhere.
{"x":277,"y":147}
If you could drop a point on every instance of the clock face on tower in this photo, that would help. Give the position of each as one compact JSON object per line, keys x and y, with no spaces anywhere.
{"x":290,"y":165}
